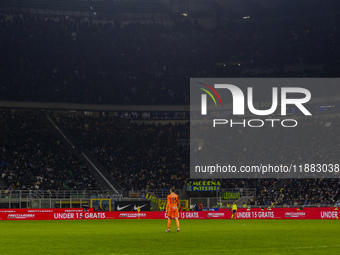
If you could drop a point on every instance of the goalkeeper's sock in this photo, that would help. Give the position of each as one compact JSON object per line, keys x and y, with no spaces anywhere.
{"x":169,"y":223}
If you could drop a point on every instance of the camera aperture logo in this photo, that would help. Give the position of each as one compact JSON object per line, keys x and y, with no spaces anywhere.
{"x":204,"y":97}
{"x":238,"y":106}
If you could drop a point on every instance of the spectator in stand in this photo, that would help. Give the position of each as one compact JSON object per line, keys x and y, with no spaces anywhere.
{"x":201,"y":206}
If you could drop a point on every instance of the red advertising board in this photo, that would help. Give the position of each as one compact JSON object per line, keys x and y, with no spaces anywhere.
{"x":79,"y":214}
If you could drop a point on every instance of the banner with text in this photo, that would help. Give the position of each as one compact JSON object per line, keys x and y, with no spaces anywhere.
{"x":75,"y":214}
{"x":203,"y":185}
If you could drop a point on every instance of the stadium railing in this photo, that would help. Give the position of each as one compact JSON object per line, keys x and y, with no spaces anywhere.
{"x":61,"y":194}
{"x":159,"y":193}
{"x":53,"y":198}
{"x":72,"y":198}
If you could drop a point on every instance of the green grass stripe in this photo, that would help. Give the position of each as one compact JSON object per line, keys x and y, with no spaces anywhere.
{"x":149,"y":237}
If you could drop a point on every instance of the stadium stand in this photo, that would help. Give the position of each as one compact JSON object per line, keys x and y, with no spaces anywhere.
{"x":57,"y":46}
{"x":117,"y":145}
{"x":302,"y":192}
{"x":90,"y":5}
{"x":138,"y":156}
{"x":33,"y":158}
{"x":79,"y":60}
{"x":160,"y":163}
{"x":318,"y":148}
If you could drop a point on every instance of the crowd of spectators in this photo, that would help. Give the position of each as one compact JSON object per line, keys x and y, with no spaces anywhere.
{"x":267,"y":145}
{"x":301,"y":192}
{"x":33,"y":158}
{"x":146,"y":157}
{"x":316,"y":141}
{"x":78,"y":60}
{"x":138,"y":156}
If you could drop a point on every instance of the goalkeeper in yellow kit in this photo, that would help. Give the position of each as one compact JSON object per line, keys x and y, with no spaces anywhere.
{"x":234,"y":208}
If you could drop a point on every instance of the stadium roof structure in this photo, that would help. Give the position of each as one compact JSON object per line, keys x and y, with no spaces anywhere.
{"x":112,"y":6}
{"x":275,"y":8}
{"x":229,"y":9}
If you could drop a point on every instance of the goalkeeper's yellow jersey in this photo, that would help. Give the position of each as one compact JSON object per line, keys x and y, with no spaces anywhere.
{"x":235,"y":207}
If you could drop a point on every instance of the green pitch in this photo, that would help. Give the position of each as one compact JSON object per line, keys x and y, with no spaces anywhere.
{"x":149,"y":237}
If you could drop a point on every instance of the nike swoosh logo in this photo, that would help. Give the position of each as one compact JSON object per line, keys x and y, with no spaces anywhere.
{"x":119,"y":208}
{"x":136,"y":207}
